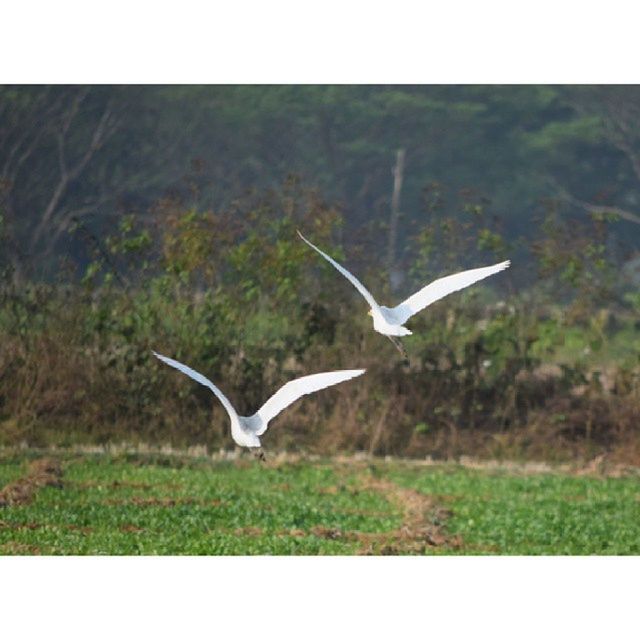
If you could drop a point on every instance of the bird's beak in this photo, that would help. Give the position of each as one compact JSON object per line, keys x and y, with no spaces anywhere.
{"x":369,"y":313}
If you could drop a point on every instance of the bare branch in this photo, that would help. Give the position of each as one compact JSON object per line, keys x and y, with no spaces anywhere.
{"x":622,"y":143}
{"x":398,"y":174}
{"x":41,"y":111}
{"x":105,"y":127}
{"x":620,"y":117}
{"x":64,"y":219}
{"x":600,"y":209}
{"x":102,"y":131}
{"x":73,"y":111}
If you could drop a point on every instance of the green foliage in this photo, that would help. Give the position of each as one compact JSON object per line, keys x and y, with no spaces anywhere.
{"x":168,"y":505}
{"x":421,"y":427}
{"x":210,"y":144}
{"x":112,"y":507}
{"x":546,"y":514}
{"x":560,"y":135}
{"x":235,"y":293}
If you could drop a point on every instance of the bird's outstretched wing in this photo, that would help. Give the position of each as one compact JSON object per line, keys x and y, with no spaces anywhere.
{"x":295,"y":389}
{"x":349,"y":276}
{"x":198,"y":377}
{"x":441,"y":288}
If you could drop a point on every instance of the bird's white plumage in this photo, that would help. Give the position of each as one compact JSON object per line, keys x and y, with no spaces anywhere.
{"x":295,"y":389}
{"x":198,"y":377}
{"x":443,"y":287}
{"x":349,"y":276}
{"x":389,"y":321}
{"x":246,"y":429}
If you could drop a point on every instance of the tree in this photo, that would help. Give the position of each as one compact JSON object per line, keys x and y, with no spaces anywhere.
{"x":38,"y":125}
{"x":617,"y":112}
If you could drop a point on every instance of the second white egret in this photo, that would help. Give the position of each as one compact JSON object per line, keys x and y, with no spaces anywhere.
{"x":246,"y":429}
{"x":389,"y":320}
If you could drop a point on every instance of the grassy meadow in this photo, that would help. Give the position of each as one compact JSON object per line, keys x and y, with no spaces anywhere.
{"x":131,"y":504}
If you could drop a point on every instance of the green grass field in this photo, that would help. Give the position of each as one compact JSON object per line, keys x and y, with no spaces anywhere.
{"x":176,"y":505}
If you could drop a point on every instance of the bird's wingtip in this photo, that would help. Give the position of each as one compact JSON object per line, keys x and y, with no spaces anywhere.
{"x":304,"y":239}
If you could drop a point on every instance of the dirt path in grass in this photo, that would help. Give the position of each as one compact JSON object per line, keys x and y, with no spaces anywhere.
{"x":44,"y":472}
{"x":421,"y":529}
{"x":422,"y":526}
{"x":422,"y":522}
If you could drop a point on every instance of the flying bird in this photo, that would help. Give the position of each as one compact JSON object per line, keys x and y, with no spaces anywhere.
{"x":246,"y":429}
{"x":389,"y":320}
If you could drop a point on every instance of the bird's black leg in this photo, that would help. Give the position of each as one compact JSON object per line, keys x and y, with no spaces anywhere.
{"x":259,"y":454}
{"x":400,"y":347}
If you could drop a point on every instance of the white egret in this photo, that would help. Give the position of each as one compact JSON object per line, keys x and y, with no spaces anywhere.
{"x":246,"y":429}
{"x":389,"y":320}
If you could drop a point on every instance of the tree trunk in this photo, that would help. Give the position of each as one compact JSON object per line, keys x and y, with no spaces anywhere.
{"x":398,"y":174}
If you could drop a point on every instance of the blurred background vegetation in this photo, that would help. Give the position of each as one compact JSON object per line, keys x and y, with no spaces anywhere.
{"x":163,"y":217}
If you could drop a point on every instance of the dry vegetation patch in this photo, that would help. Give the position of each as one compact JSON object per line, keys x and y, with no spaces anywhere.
{"x":131,"y":528}
{"x":19,"y":549}
{"x":422,"y":522}
{"x":44,"y":472}
{"x":140,"y":501}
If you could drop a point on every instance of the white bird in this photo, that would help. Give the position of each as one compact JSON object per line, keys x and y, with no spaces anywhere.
{"x":388,"y":321}
{"x":246,"y":429}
